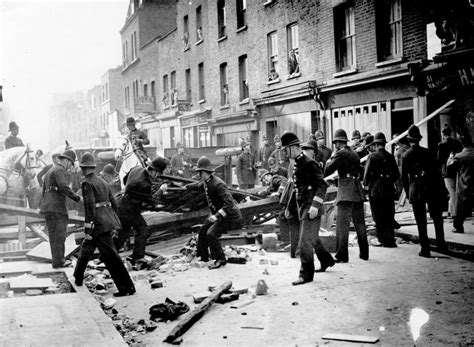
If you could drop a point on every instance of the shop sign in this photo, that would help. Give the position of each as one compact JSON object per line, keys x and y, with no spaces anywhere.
{"x":446,"y":77}
{"x":203,"y":129}
{"x":194,"y":120}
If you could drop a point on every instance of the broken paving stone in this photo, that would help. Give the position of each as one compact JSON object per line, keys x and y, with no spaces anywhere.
{"x":156,"y":284}
{"x":237,"y":260}
{"x":263,"y":261}
{"x":165,"y":268}
{"x":225,"y":298}
{"x":265,"y":272}
{"x":239,"y":291}
{"x":52,"y":290}
{"x":91,"y":272}
{"x":109,"y":303}
{"x":273,"y":262}
{"x":262,"y":288}
{"x":34,"y":292}
{"x":198,"y":298}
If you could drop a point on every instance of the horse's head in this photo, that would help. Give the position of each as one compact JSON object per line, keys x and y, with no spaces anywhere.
{"x":123,"y":148}
{"x":21,"y":160}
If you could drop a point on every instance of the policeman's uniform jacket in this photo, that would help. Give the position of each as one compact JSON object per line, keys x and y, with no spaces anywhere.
{"x":245,"y":168}
{"x":347,"y":164}
{"x":381,"y":173}
{"x":99,"y":205}
{"x":463,"y":164}
{"x":220,"y":201}
{"x":55,"y":190}
{"x":281,"y":157}
{"x":310,"y":186}
{"x":421,"y":176}
{"x":263,"y":155}
{"x":13,"y":141}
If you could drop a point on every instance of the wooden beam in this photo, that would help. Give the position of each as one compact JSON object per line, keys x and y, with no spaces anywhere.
{"x":29,"y":212}
{"x":197,"y":313}
{"x":38,"y":232}
{"x":22,"y":231}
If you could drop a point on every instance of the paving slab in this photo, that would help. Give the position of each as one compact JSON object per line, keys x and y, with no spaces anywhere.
{"x":43,"y":250}
{"x":21,"y":267}
{"x":55,"y":320}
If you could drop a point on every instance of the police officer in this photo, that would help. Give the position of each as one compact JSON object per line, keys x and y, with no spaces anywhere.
{"x":53,"y":205}
{"x":13,"y":140}
{"x":225,"y":214}
{"x":181,"y":162}
{"x":279,"y":154}
{"x":308,"y":196}
{"x":462,"y":164}
{"x":110,"y":176}
{"x":138,"y":138}
{"x":324,"y":152}
{"x":245,"y":167}
{"x":423,"y":185}
{"x":264,"y":153}
{"x":350,"y":197}
{"x":44,"y":170}
{"x":100,"y":221}
{"x":381,"y":174}
{"x":137,"y":196}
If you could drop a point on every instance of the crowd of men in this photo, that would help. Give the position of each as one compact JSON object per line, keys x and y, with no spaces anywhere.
{"x":297,"y":172}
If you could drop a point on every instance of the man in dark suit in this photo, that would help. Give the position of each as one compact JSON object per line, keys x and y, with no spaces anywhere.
{"x":462,"y":164}
{"x":423,"y":185}
{"x":308,"y":196}
{"x":350,"y":198}
{"x":225,"y":214}
{"x":324,"y":152}
{"x":101,"y":220}
{"x":245,"y":167}
{"x":138,"y":195}
{"x":381,"y":174}
{"x":264,"y":153}
{"x":53,"y":205}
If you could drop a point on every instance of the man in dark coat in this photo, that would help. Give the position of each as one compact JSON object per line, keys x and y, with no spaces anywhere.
{"x":225,"y":214}
{"x":445,"y":148}
{"x":101,"y":220}
{"x":381,"y":174}
{"x":423,"y":185}
{"x":324,"y":152}
{"x":13,"y":140}
{"x":279,"y":154}
{"x":181,"y":162}
{"x":463,"y":165}
{"x":138,"y":138}
{"x":350,"y":198}
{"x":264,"y":153}
{"x":53,"y":205}
{"x":308,"y":196}
{"x":356,"y":140}
{"x":137,"y":196}
{"x":245,"y":167}
{"x":44,"y":171}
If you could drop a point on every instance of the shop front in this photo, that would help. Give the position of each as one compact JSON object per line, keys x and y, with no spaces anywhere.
{"x":195,"y":128}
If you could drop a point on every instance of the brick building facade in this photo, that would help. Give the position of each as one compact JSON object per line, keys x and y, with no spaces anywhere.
{"x":217,"y":71}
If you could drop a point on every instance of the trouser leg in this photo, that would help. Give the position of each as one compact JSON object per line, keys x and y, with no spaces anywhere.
{"x":213,"y":234}
{"x":376,"y":216}
{"x":57,"y":225}
{"x":450,"y":184}
{"x":294,"y":226}
{"x":85,"y":254}
{"x":359,"y":224}
{"x":325,"y":258}
{"x":141,"y":235}
{"x":307,"y":241}
{"x":343,"y":215}
{"x":284,"y":227}
{"x":436,"y":215}
{"x":202,"y":250}
{"x":419,"y":211}
{"x":113,"y":262}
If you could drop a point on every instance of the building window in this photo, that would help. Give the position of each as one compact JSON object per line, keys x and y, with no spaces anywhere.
{"x":272,"y":48}
{"x":198,"y":24}
{"x":241,"y":9}
{"x":173,"y":89}
{"x":145,"y":90}
{"x":188,"y":85}
{"x":132,"y":40}
{"x":166,"y":98}
{"x":223,"y":84}
{"x":186,"y":32}
{"x":243,"y":83}
{"x":135,"y":44}
{"x":202,"y":90}
{"x":389,"y":29}
{"x":293,"y":50}
{"x":107,"y":91}
{"x":345,"y":37}
{"x":221,"y":20}
{"x":152,"y":89}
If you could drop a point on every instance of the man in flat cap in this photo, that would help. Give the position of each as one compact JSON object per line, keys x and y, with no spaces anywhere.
{"x":138,"y":138}
{"x":13,"y":140}
{"x":245,"y":167}
{"x":264,"y":153}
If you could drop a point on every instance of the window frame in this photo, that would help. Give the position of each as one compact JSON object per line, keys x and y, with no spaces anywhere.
{"x":293,"y":44}
{"x":199,"y":23}
{"x":201,"y":82}
{"x":243,"y":82}
{"x":241,"y":14}
{"x":272,"y":56}
{"x":188,"y":82}
{"x":345,"y":38}
{"x":223,"y":82}
{"x":221,"y":19}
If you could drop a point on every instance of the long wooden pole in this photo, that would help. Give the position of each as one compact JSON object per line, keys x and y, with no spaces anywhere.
{"x":403,"y":134}
{"x":197,"y":313}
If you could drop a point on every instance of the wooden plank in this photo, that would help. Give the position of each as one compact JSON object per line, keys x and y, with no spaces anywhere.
{"x":351,"y":338}
{"x":38,"y":232}
{"x":197,"y":313}
{"x":43,"y":250}
{"x":22,"y":230}
{"x":29,"y":212}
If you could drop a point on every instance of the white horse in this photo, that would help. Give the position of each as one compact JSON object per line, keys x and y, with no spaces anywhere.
{"x":18,"y":168}
{"x":127,"y":156}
